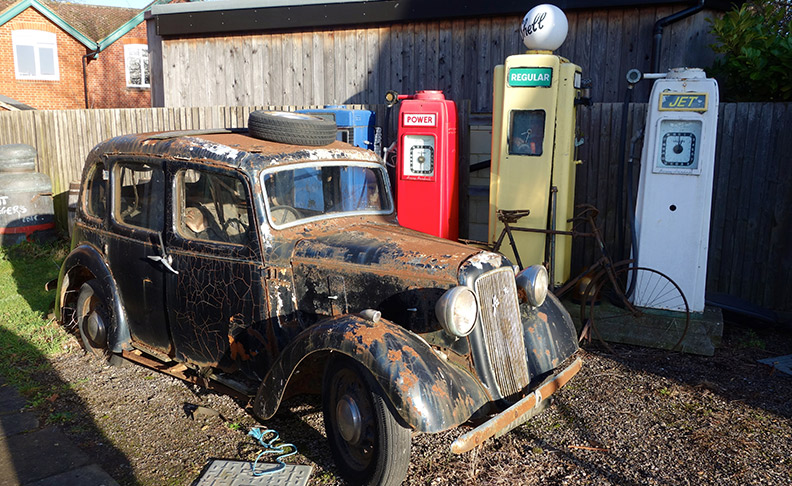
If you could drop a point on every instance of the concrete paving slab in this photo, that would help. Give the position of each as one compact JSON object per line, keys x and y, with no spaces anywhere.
{"x":37,"y":455}
{"x":16,"y":423}
{"x":10,"y":400}
{"x":91,"y":475}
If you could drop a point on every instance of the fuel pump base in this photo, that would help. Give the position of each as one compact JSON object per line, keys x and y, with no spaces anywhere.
{"x":660,"y":330}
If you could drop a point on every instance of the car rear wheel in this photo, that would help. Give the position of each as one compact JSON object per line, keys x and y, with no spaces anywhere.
{"x":93,"y":321}
{"x":368,"y":443}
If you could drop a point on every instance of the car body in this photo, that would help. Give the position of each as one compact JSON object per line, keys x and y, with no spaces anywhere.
{"x":276,"y":268}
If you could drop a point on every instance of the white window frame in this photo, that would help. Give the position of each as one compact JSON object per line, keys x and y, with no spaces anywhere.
{"x":132,"y":55}
{"x":38,"y":40}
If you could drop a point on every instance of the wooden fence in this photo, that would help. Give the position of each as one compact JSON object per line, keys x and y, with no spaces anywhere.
{"x":63,"y":138}
{"x":750,"y":252}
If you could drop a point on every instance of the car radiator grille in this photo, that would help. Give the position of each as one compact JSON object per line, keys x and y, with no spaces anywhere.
{"x":503,"y":330}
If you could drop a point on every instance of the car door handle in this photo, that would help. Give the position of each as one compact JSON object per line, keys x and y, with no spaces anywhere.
{"x":166,"y":262}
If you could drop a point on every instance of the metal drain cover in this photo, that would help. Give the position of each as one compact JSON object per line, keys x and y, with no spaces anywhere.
{"x":222,"y":472}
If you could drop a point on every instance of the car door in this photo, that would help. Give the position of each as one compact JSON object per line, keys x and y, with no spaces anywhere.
{"x":215,"y":301}
{"x":137,"y":222}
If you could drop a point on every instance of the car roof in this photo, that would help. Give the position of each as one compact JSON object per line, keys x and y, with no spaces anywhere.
{"x":233,"y":147}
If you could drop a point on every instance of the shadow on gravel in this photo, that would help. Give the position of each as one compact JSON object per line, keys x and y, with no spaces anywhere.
{"x":291,"y":422}
{"x":34,"y":452}
{"x":733,"y":373}
{"x":593,"y":470}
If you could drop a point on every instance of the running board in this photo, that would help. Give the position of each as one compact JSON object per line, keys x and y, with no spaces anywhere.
{"x":182,"y":372}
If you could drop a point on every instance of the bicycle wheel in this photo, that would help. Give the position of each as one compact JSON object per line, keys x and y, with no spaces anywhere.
{"x":641,"y":301}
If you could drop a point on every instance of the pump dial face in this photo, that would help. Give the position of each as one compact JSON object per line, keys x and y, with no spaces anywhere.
{"x":418,"y":158}
{"x":679,"y":141}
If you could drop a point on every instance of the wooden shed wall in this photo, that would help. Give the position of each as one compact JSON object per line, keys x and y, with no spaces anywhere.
{"x":457,"y":56}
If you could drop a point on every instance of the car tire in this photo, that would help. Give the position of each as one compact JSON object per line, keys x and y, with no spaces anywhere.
{"x":93,"y":322}
{"x":291,"y":128}
{"x":369,"y":444}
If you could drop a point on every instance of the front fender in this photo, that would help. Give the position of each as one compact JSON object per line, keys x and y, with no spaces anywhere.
{"x":83,"y":259}
{"x":549,"y":333}
{"x":429,"y":393}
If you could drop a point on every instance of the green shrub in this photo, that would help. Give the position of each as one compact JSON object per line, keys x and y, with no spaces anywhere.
{"x":755,"y":62}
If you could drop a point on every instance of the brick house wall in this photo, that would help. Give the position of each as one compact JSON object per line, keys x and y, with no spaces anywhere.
{"x":107,"y":87}
{"x":65,"y":93}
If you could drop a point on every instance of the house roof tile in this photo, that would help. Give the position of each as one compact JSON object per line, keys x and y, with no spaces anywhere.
{"x":4,"y":4}
{"x":91,"y":22}
{"x":96,"y":22}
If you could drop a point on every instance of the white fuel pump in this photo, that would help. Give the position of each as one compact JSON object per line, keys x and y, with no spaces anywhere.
{"x":672,"y":214}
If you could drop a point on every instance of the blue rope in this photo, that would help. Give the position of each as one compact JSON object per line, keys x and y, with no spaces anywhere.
{"x":271,"y":448}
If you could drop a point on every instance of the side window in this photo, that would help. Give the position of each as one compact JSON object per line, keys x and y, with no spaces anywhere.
{"x":139,"y":196}
{"x":94,"y":192}
{"x":212,"y":207}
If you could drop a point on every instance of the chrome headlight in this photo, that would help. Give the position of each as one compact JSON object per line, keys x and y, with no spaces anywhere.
{"x":457,"y":310}
{"x":532,"y":285}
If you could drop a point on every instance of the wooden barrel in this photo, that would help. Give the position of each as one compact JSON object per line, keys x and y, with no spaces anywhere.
{"x":17,"y":157}
{"x":26,"y":210}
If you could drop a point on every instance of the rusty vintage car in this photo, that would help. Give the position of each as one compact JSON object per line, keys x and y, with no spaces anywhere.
{"x":271,"y":262}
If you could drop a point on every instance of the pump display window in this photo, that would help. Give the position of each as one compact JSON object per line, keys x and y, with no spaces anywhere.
{"x":526,"y":132}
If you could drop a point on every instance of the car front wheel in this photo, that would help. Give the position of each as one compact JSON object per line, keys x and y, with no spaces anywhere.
{"x":93,"y":321}
{"x":368,"y":443}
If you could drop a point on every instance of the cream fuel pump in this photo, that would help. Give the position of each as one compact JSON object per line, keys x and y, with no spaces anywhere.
{"x":534,"y":144}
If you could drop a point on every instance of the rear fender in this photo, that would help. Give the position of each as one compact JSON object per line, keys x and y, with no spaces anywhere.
{"x":85,"y":263}
{"x":427,"y":392}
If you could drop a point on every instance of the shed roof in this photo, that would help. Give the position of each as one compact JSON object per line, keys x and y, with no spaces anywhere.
{"x":12,"y":104}
{"x":216,"y":17}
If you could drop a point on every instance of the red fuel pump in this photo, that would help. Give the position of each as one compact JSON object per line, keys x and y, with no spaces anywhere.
{"x":427,"y":171}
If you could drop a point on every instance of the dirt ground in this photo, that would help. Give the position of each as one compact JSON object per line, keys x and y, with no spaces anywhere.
{"x":636,"y":417}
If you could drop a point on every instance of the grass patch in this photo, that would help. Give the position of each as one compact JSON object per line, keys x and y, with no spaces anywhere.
{"x":27,"y":336}
{"x":750,"y":339}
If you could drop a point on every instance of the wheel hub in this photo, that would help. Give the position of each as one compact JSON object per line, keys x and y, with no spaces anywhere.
{"x":95,"y":329}
{"x":349,"y":419}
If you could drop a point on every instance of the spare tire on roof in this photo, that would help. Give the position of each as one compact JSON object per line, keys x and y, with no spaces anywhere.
{"x":291,"y":128}
{"x":17,"y":157}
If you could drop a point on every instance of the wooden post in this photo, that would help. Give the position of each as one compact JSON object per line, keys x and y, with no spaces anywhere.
{"x":463,"y":153}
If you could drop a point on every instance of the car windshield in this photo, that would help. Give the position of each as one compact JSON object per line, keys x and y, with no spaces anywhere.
{"x":317,"y":191}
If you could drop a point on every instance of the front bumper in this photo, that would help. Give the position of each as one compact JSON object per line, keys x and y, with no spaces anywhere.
{"x":515,"y":415}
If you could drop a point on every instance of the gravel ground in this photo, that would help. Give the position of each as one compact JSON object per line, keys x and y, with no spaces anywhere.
{"x":636,"y":417}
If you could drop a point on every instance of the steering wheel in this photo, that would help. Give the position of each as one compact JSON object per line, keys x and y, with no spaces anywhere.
{"x":234,"y":223}
{"x":284,"y":214}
